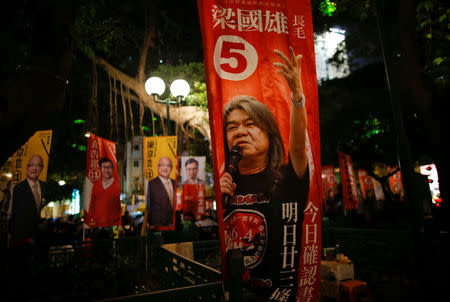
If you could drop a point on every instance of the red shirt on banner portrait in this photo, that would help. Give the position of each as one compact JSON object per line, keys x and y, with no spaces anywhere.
{"x":193,"y":199}
{"x":278,"y":239}
{"x":102,"y":190}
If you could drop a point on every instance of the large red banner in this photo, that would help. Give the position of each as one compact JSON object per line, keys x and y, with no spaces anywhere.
{"x":261,"y":95}
{"x":102,"y":188}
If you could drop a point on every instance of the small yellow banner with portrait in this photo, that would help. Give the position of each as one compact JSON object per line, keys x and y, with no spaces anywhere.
{"x":160,"y":170}
{"x":156,"y":147}
{"x":38,"y":144}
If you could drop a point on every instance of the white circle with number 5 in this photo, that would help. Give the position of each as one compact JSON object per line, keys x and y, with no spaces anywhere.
{"x":234,"y":58}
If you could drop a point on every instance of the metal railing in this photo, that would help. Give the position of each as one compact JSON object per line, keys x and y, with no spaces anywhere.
{"x":125,"y":269}
{"x":180,"y":279}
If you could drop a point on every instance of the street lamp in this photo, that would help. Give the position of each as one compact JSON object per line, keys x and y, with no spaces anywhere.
{"x":179,"y":88}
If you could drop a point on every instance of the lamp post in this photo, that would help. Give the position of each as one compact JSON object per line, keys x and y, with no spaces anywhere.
{"x":179,"y":88}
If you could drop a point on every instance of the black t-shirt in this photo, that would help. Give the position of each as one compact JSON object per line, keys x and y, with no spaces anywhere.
{"x":266,"y":224}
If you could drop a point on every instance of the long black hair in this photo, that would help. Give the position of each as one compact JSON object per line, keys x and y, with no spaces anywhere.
{"x":265,"y":120}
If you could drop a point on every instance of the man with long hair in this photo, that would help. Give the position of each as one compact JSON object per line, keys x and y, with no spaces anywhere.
{"x":269,"y":194}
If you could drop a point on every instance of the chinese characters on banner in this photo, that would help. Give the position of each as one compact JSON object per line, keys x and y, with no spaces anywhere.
{"x":38,"y":144}
{"x":350,"y":197}
{"x":160,"y":170}
{"x":193,"y":177}
{"x":102,"y":188}
{"x":277,"y":230}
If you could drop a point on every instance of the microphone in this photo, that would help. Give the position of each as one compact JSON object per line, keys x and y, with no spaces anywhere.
{"x":233,"y":170}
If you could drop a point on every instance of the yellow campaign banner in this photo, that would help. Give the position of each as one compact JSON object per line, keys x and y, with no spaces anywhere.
{"x":160,"y":170}
{"x":156,"y":147}
{"x":38,"y":144}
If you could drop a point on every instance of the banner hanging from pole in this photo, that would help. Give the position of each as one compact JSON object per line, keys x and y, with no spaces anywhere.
{"x":194,"y":191}
{"x":350,"y":197}
{"x":330,"y":186}
{"x":262,"y":97}
{"x":395,"y":184}
{"x":160,"y":170}
{"x":38,"y":144}
{"x":102,"y":187}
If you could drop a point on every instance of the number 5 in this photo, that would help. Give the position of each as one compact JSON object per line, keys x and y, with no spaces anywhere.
{"x":227,"y":52}
{"x":234,"y":58}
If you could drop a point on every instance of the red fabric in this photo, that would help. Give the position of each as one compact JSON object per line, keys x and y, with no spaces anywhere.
{"x":395,"y":183}
{"x":330,"y":185}
{"x":193,"y":201}
{"x":239,"y":52}
{"x":365,"y":182}
{"x":104,"y":209}
{"x":350,"y":197}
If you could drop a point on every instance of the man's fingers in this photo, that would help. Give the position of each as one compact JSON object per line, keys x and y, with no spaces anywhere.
{"x":292,"y":54}
{"x":281,"y":66}
{"x":283,"y":57}
{"x":299,"y":60}
{"x":282,"y":73}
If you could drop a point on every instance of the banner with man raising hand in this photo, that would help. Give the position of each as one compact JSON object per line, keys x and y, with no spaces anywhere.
{"x":262,"y":94}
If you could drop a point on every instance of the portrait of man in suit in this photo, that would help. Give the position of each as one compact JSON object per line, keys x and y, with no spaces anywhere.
{"x":27,"y":202}
{"x":161,"y":195}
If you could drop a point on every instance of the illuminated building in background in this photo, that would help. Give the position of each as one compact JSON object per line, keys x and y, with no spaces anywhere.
{"x":134,"y":176}
{"x":430,"y":172}
{"x":325,"y":47}
{"x":74,"y":207}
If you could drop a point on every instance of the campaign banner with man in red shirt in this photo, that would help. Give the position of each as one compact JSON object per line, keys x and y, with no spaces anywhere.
{"x":102,"y":188}
{"x":262,"y":97}
{"x":194,"y":190}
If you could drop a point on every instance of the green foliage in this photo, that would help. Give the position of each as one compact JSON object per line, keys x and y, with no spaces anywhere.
{"x":95,"y":31}
{"x":193,"y":73}
{"x":355,"y":117}
{"x":433,"y":28}
{"x":327,"y":8}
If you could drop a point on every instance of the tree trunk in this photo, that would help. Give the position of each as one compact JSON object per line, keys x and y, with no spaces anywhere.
{"x":193,"y":116}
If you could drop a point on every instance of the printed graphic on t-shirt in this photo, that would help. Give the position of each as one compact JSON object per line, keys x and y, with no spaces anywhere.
{"x":246,"y":230}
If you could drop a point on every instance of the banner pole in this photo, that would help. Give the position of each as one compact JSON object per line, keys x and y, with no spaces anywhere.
{"x":84,"y":233}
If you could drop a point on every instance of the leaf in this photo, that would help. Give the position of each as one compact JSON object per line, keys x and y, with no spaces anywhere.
{"x":437,"y":61}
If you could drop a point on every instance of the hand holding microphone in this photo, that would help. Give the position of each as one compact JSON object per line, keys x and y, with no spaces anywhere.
{"x":227,"y":181}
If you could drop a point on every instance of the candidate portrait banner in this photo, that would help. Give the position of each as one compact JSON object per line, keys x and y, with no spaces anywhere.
{"x":330,"y":186}
{"x":102,"y":205}
{"x":38,"y":144}
{"x":350,"y":197}
{"x":370,"y":187}
{"x":239,"y":42}
{"x":366,"y":184}
{"x":194,"y":191}
{"x":396,"y":184}
{"x":160,"y":170}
